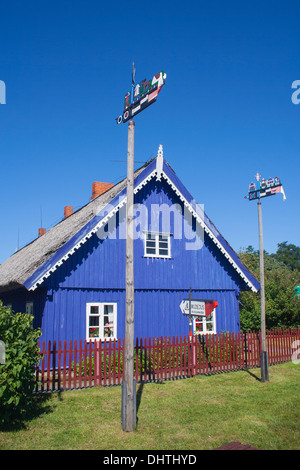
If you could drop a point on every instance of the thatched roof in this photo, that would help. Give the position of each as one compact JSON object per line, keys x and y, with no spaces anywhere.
{"x":22,"y":264}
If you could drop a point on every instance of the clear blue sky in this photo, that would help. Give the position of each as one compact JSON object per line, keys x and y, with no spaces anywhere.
{"x":224,"y":114}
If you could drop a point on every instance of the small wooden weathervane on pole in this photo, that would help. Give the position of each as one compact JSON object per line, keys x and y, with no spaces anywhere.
{"x":257,"y":191}
{"x":141,"y":96}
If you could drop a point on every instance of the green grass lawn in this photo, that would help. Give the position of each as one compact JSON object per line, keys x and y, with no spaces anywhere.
{"x":189,"y":414}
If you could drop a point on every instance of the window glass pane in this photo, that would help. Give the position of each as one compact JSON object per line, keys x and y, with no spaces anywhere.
{"x":94,"y":332}
{"x":108,"y":321}
{"x":198,"y":326}
{"x":209,"y":326}
{"x":163,"y":238}
{"x":150,"y":236}
{"x":150,"y":251}
{"x":150,"y":244}
{"x":108,"y":331}
{"x":94,"y":309}
{"x":163,"y":252}
{"x":163,"y":245}
{"x":94,"y":321}
{"x":108,"y":309}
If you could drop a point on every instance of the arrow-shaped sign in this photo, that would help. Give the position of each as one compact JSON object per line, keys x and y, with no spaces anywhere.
{"x":198,"y":307}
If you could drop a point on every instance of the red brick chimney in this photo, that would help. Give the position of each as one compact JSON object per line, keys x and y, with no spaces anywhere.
{"x":100,"y":188}
{"x":42,"y":231}
{"x":68,"y":210}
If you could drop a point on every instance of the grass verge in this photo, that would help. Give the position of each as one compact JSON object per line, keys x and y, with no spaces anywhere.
{"x":200,"y":413}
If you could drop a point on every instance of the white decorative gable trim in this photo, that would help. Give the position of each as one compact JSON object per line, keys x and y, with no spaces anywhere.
{"x":159,"y":163}
{"x":158,"y":173}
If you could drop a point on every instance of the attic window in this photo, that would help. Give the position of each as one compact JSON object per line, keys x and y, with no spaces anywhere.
{"x":157,"y":245}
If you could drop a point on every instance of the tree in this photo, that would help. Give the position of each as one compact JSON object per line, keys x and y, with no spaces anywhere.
{"x":17,"y":374}
{"x":289,"y":255}
{"x":281,"y":276}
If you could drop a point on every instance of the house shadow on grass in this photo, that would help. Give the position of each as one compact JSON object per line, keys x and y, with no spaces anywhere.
{"x":37,"y":408}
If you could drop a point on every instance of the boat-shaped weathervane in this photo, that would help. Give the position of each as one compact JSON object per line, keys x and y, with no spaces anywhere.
{"x":141,"y":96}
{"x":264,"y":188}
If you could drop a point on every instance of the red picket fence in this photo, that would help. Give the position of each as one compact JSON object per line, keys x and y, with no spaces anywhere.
{"x":86,"y":364}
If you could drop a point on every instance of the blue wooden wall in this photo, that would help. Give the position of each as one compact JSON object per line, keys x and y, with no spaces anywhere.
{"x":96,"y":273}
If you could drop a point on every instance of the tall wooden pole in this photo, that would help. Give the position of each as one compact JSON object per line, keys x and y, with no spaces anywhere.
{"x":264,"y":354}
{"x":190,"y":313}
{"x":129,"y":388}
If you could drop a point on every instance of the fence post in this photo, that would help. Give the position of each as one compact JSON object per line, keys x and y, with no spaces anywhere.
{"x":191,"y":359}
{"x":194,"y":355}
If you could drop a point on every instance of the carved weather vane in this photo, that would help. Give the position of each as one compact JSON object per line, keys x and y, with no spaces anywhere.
{"x":263,"y":188}
{"x":141,"y":95}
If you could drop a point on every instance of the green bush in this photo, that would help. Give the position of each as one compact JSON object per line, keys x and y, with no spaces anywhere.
{"x":282,"y":275}
{"x":17,"y":374}
{"x":221,"y":351}
{"x":143,"y":360}
{"x":87,"y":365}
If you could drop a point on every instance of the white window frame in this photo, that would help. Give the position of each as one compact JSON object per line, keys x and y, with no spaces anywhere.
{"x":211,"y":319}
{"x":101,"y":326}
{"x":157,"y":247}
{"x":29,"y":308}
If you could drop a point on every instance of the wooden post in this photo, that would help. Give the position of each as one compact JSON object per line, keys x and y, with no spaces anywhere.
{"x":264,"y":354}
{"x":190,"y":313}
{"x":128,"y":386}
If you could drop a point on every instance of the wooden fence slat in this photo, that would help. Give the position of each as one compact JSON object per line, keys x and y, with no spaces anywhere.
{"x":43,"y":366}
{"x":64,"y":364}
{"x":80,"y":364}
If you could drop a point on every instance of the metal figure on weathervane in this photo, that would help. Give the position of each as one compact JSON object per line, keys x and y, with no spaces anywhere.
{"x":264,"y":188}
{"x":141,"y":95}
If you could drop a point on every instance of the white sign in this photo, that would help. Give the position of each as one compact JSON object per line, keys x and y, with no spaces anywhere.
{"x":197,"y":307}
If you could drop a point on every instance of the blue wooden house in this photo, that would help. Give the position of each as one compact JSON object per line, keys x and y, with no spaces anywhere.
{"x":72,"y":278}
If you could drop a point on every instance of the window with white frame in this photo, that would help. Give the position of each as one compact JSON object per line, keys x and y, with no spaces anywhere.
{"x":205,"y":325}
{"x":101,"y":321}
{"x":29,"y":308}
{"x":157,"y":245}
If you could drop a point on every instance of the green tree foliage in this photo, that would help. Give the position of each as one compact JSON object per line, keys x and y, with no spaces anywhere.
{"x":17,"y":374}
{"x":289,"y":255}
{"x":282,"y":275}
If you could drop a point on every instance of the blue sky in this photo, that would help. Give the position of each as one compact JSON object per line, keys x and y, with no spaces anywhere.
{"x":224,"y":114}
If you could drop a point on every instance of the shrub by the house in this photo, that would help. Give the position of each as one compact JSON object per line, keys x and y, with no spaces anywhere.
{"x":17,"y":374}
